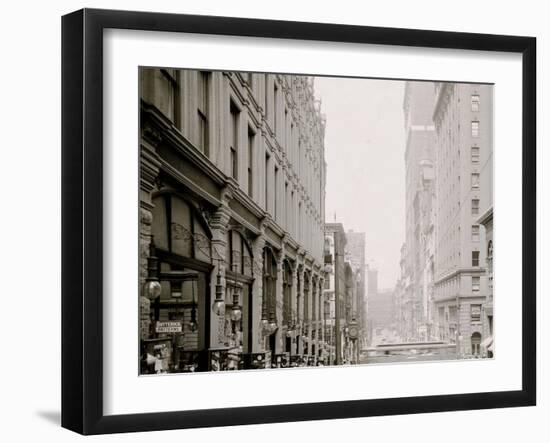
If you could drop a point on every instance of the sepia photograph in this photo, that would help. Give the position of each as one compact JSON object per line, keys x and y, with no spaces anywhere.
{"x":290,"y":220}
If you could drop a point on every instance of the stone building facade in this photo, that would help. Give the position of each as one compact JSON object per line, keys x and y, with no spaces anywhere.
{"x":418,"y":266}
{"x":464,"y":127}
{"x":232,"y":190}
{"x":334,"y":251}
{"x":485,"y":220}
{"x":344,"y":325}
{"x":355,"y":253}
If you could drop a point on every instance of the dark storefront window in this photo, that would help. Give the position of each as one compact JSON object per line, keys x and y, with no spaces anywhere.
{"x":238,"y":277}
{"x":179,"y":334}
{"x":269,"y":294}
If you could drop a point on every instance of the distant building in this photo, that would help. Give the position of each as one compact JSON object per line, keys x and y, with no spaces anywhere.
{"x":418,"y":266}
{"x":372,"y":280}
{"x":342,"y":284}
{"x":355,"y":253}
{"x":380,"y":313}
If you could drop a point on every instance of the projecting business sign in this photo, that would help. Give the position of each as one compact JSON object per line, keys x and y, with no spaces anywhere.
{"x":168,"y":326}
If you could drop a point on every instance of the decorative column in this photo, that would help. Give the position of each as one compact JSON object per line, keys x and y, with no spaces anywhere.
{"x":258,"y":337}
{"x":314,"y":317}
{"x":322,"y":315}
{"x":149,"y":171}
{"x":307,"y":313}
{"x":219,"y":222}
{"x":300,"y":307}
{"x":294,"y":308}
{"x":279,"y":297}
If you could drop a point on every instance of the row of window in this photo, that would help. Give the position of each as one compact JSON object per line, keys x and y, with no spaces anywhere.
{"x":475,"y":104}
{"x":452,"y":315}
{"x":202,"y":141}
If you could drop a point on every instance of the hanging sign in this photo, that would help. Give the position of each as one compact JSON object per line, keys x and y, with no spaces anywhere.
{"x":168,"y":326}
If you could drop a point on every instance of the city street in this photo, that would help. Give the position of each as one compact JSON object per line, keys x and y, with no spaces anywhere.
{"x":407,"y":358}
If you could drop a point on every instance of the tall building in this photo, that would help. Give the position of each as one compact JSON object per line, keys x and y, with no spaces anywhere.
{"x":372,"y":280}
{"x":418,"y":266}
{"x":343,"y":327}
{"x":334,"y":290}
{"x":486,"y":221}
{"x":355,"y":254}
{"x":232,"y":184}
{"x":464,"y":126}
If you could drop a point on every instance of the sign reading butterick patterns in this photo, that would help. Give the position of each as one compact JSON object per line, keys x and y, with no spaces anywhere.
{"x":168,"y":326}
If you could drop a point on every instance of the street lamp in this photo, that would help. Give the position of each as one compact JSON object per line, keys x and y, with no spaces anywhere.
{"x":151,"y":287}
{"x":193,"y":322}
{"x":218,"y":307}
{"x":236,"y":312}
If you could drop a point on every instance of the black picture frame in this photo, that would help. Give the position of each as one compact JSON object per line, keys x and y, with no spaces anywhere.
{"x":82,"y":219}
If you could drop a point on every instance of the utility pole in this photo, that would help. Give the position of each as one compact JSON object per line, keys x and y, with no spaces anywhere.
{"x":337,"y":334}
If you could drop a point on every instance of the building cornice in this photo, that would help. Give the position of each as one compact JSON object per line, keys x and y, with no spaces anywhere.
{"x":486,"y":217}
{"x":477,"y":270}
{"x":169,"y":133}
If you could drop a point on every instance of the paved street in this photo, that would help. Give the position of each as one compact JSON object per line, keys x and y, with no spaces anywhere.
{"x":407,"y":358}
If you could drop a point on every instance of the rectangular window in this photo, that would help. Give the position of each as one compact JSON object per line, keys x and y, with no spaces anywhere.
{"x":475,"y":233}
{"x":266,"y":182}
{"x":173,"y":77}
{"x":475,"y":103}
{"x":475,"y":258}
{"x":275,"y":107}
{"x":202,"y":110}
{"x":251,"y":136}
{"x":475,"y":180}
{"x":300,"y":224}
{"x":291,"y":212}
{"x":475,"y":206}
{"x":475,"y":285}
{"x":475,"y":311}
{"x":287,"y":208}
{"x":475,"y":155}
{"x":475,"y":129}
{"x":275,"y":184}
{"x":234,"y":140}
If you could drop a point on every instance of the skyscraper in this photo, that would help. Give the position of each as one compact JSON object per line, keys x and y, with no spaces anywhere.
{"x":463,"y":126}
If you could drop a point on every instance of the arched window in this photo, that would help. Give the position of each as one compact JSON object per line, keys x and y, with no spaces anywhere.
{"x":287,"y":294}
{"x":476,"y":342}
{"x":307,"y":279}
{"x":269,"y":287}
{"x":238,"y":254}
{"x":238,"y":278}
{"x":178,"y":228}
{"x":490,"y":256}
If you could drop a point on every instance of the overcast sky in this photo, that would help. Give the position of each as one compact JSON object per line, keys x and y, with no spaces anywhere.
{"x":364,"y":151}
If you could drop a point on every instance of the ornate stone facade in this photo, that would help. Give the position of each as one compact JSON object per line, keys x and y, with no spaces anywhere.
{"x":236,"y":162}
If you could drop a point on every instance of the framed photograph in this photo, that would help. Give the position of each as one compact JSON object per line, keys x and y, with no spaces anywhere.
{"x":270,"y":221}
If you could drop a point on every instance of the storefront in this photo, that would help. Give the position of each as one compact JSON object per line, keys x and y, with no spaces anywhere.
{"x":180,"y":315}
{"x":238,"y":299}
{"x":269,"y":300}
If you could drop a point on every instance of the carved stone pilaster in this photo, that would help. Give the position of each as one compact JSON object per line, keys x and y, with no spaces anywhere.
{"x":259,"y":303}
{"x":219,"y":222}
{"x":149,"y":168}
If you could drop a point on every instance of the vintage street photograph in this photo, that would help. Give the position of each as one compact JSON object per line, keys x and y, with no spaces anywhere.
{"x":297,"y":220}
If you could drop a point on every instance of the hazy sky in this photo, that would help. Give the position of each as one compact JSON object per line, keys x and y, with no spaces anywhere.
{"x":365,"y":145}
